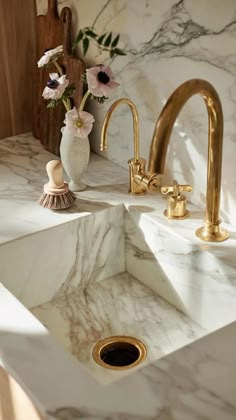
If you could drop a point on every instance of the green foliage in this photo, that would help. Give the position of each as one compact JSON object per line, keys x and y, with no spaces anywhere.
{"x":101,"y":99}
{"x":108,"y":40}
{"x":68,"y":92}
{"x":53,"y":103}
{"x":84,"y":78}
{"x":118,"y":51}
{"x":105,"y":42}
{"x":100,"y":39}
{"x":79,"y":37}
{"x":115,"y":41}
{"x":85,"y":45}
{"x":89,"y":32}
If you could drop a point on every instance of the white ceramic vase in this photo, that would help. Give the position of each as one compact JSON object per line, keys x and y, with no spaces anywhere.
{"x":75,"y":152}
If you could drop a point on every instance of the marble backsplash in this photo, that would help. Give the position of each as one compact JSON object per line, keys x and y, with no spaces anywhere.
{"x":168,"y":42}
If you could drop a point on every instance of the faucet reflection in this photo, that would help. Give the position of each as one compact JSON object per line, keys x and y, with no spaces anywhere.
{"x":140,"y":181}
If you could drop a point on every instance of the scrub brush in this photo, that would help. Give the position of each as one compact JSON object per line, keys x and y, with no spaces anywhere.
{"x":56,"y":195}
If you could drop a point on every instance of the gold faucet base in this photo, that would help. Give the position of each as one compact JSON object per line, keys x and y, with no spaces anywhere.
{"x":136,"y":167}
{"x":137,"y":193}
{"x":185,"y":216}
{"x":213,"y":233}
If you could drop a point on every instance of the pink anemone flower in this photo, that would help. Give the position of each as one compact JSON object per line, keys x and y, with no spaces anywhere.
{"x":79,"y":123}
{"x":100,"y":80}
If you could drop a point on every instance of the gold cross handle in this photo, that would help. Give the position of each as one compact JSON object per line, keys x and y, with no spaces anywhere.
{"x":176,"y":189}
{"x":176,"y":202}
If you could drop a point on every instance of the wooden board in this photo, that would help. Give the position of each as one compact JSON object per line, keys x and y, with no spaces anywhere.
{"x":14,"y":403}
{"x":6,"y":127}
{"x":17,"y":52}
{"x":51,"y":31}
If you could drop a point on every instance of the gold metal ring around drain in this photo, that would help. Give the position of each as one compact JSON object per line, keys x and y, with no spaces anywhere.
{"x":115,"y":343}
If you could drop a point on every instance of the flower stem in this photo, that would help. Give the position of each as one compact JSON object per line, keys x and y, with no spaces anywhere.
{"x":59,"y":69}
{"x":66,"y":104}
{"x":99,"y":14}
{"x":84,"y":99}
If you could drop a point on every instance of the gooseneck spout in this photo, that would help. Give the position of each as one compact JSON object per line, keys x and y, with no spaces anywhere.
{"x":211,"y":230}
{"x":103,"y":146}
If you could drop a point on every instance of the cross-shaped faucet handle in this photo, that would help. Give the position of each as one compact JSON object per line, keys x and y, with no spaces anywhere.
{"x":176,"y":202}
{"x":176,"y":189}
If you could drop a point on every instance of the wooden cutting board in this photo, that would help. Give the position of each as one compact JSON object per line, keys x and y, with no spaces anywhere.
{"x":53,"y":30}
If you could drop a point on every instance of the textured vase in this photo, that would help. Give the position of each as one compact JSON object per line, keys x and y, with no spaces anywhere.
{"x":75,"y":152}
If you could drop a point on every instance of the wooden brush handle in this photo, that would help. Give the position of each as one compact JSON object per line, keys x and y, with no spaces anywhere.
{"x":54,"y":170}
{"x":56,"y":185}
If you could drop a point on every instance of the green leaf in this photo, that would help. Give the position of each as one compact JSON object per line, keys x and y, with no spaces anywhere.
{"x":108,"y":40}
{"x":68,"y":92}
{"x":85,"y":45}
{"x":53,"y":103}
{"x":79,"y":37}
{"x":84,"y":77}
{"x":77,"y":40}
{"x":91,"y":33}
{"x":100,"y":39}
{"x":115,"y":41}
{"x":112,"y":53}
{"x":118,"y":51}
{"x":101,"y":99}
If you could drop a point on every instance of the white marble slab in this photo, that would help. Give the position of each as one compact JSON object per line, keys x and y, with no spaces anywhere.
{"x":197,"y":381}
{"x":68,"y":256}
{"x":199,"y":280}
{"x":193,"y":276}
{"x":202,"y":287}
{"x":22,"y":168}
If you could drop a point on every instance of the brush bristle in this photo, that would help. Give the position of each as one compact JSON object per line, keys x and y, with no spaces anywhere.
{"x":57,"y":202}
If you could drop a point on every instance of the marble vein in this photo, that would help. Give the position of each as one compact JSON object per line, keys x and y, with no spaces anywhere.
{"x":177,"y":31}
{"x":118,"y":305}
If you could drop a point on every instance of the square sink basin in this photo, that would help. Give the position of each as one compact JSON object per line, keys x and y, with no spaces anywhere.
{"x":96,"y":277}
{"x":116,"y":306}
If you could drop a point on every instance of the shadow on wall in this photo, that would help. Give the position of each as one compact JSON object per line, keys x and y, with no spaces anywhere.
{"x":185,"y":151}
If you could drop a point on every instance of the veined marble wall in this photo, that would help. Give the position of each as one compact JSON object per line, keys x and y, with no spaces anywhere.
{"x":169,"y":42}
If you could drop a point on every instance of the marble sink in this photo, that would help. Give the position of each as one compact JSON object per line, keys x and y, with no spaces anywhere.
{"x":118,"y":305}
{"x":92,"y":278}
{"x":112,"y":264}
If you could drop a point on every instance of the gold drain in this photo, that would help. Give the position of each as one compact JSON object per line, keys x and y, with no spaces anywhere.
{"x":119,"y":352}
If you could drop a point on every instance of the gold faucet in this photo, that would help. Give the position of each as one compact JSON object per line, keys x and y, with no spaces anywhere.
{"x":139,"y":180}
{"x":211,"y":231}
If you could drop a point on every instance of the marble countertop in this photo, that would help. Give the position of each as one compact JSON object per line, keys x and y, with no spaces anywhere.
{"x":196,"y":382}
{"x":22,"y":168}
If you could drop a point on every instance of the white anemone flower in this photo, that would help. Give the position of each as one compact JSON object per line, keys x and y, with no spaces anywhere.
{"x":79,"y":123}
{"x":55,"y":86}
{"x":48,"y":55}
